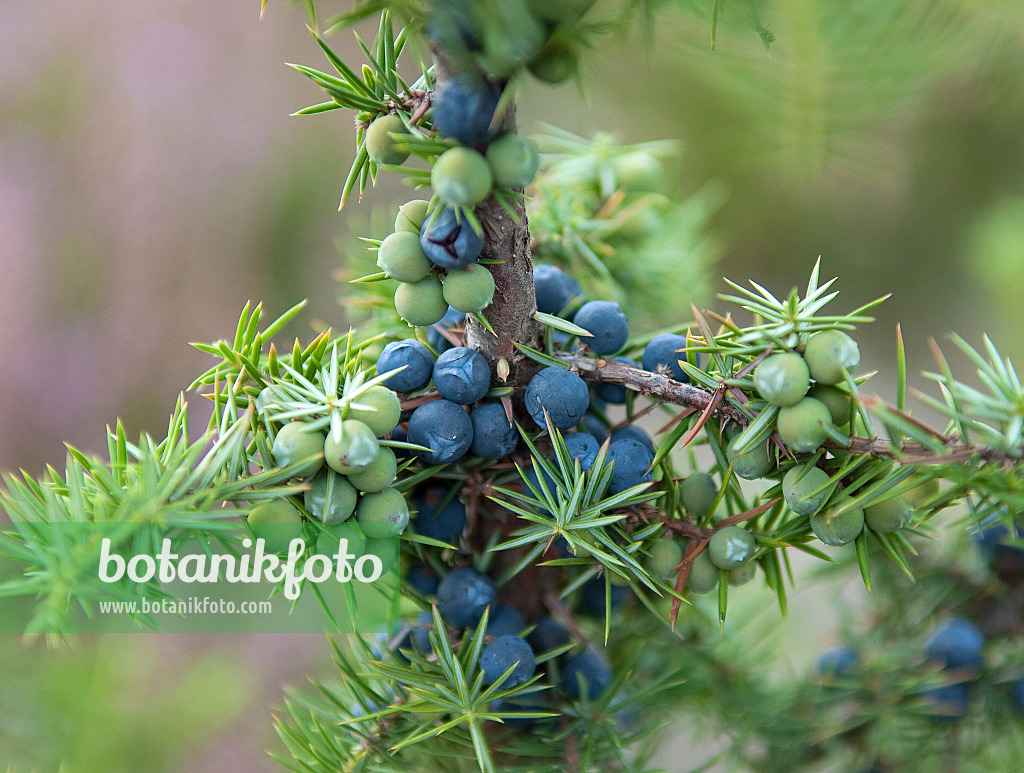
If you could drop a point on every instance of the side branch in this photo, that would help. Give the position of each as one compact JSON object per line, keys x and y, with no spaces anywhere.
{"x":662,"y":388}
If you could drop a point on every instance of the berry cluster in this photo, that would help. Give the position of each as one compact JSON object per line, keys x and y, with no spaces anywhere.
{"x":513,"y":649}
{"x":348,"y":472}
{"x":436,"y":246}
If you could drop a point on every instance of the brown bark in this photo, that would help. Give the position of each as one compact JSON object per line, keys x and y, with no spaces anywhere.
{"x":507,"y":240}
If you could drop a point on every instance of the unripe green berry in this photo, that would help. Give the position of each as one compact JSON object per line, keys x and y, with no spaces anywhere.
{"x":354,"y":451}
{"x":402,"y":258}
{"x":461,"y":177}
{"x":382,"y":409}
{"x":421,"y":303}
{"x":888,"y":516}
{"x":470,"y":289}
{"x":380,"y":145}
{"x":703,"y":576}
{"x":563,"y":10}
{"x":271,"y":395}
{"x":637,"y":172}
{"x":637,"y":219}
{"x":753,"y":464}
{"x":782,"y":379}
{"x":800,"y":488}
{"x":383,"y":514}
{"x":330,"y":498}
{"x":385,"y":549}
{"x":514,"y":160}
{"x":731,"y":546}
{"x":922,"y":492}
{"x":829,"y":354}
{"x":663,"y":556}
{"x":295,"y":442}
{"x":698,"y":492}
{"x":741,"y":575}
{"x":277,"y":523}
{"x":331,"y":534}
{"x":556,"y":61}
{"x":802,"y":426}
{"x":379,"y":475}
{"x":838,"y":528}
{"x":411,"y":216}
{"x":840,"y":403}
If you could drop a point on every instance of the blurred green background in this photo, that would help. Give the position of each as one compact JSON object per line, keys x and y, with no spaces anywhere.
{"x":152,"y":181}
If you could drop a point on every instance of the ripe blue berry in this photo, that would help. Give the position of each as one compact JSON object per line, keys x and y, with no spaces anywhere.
{"x":548,"y":635}
{"x":1017,"y":694}
{"x":504,"y":621}
{"x":993,"y":538}
{"x":561,"y":393}
{"x":452,"y":319}
{"x":462,"y":375}
{"x":585,"y":672}
{"x":614,"y":393}
{"x":502,"y":654}
{"x":607,"y":324}
{"x":463,"y":596}
{"x":422,"y":579}
{"x":633,"y":432}
{"x":837,"y":663}
{"x":533,"y":478}
{"x":417,"y":360}
{"x":552,"y":288}
{"x":956,"y":645}
{"x":494,"y":436}
{"x":450,"y":243}
{"x":584,"y":447}
{"x":664,"y":352}
{"x":440,"y":516}
{"x":592,"y":596}
{"x":631,"y":459}
{"x":949,"y":702}
{"x":444,"y":428}
{"x":463,"y":108}
{"x":593,"y":425}
{"x":419,"y":636}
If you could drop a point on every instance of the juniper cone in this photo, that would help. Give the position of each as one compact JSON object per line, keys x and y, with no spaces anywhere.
{"x":594,"y":545}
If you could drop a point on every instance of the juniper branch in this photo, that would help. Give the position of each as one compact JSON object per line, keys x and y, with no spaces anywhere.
{"x":665,"y":389}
